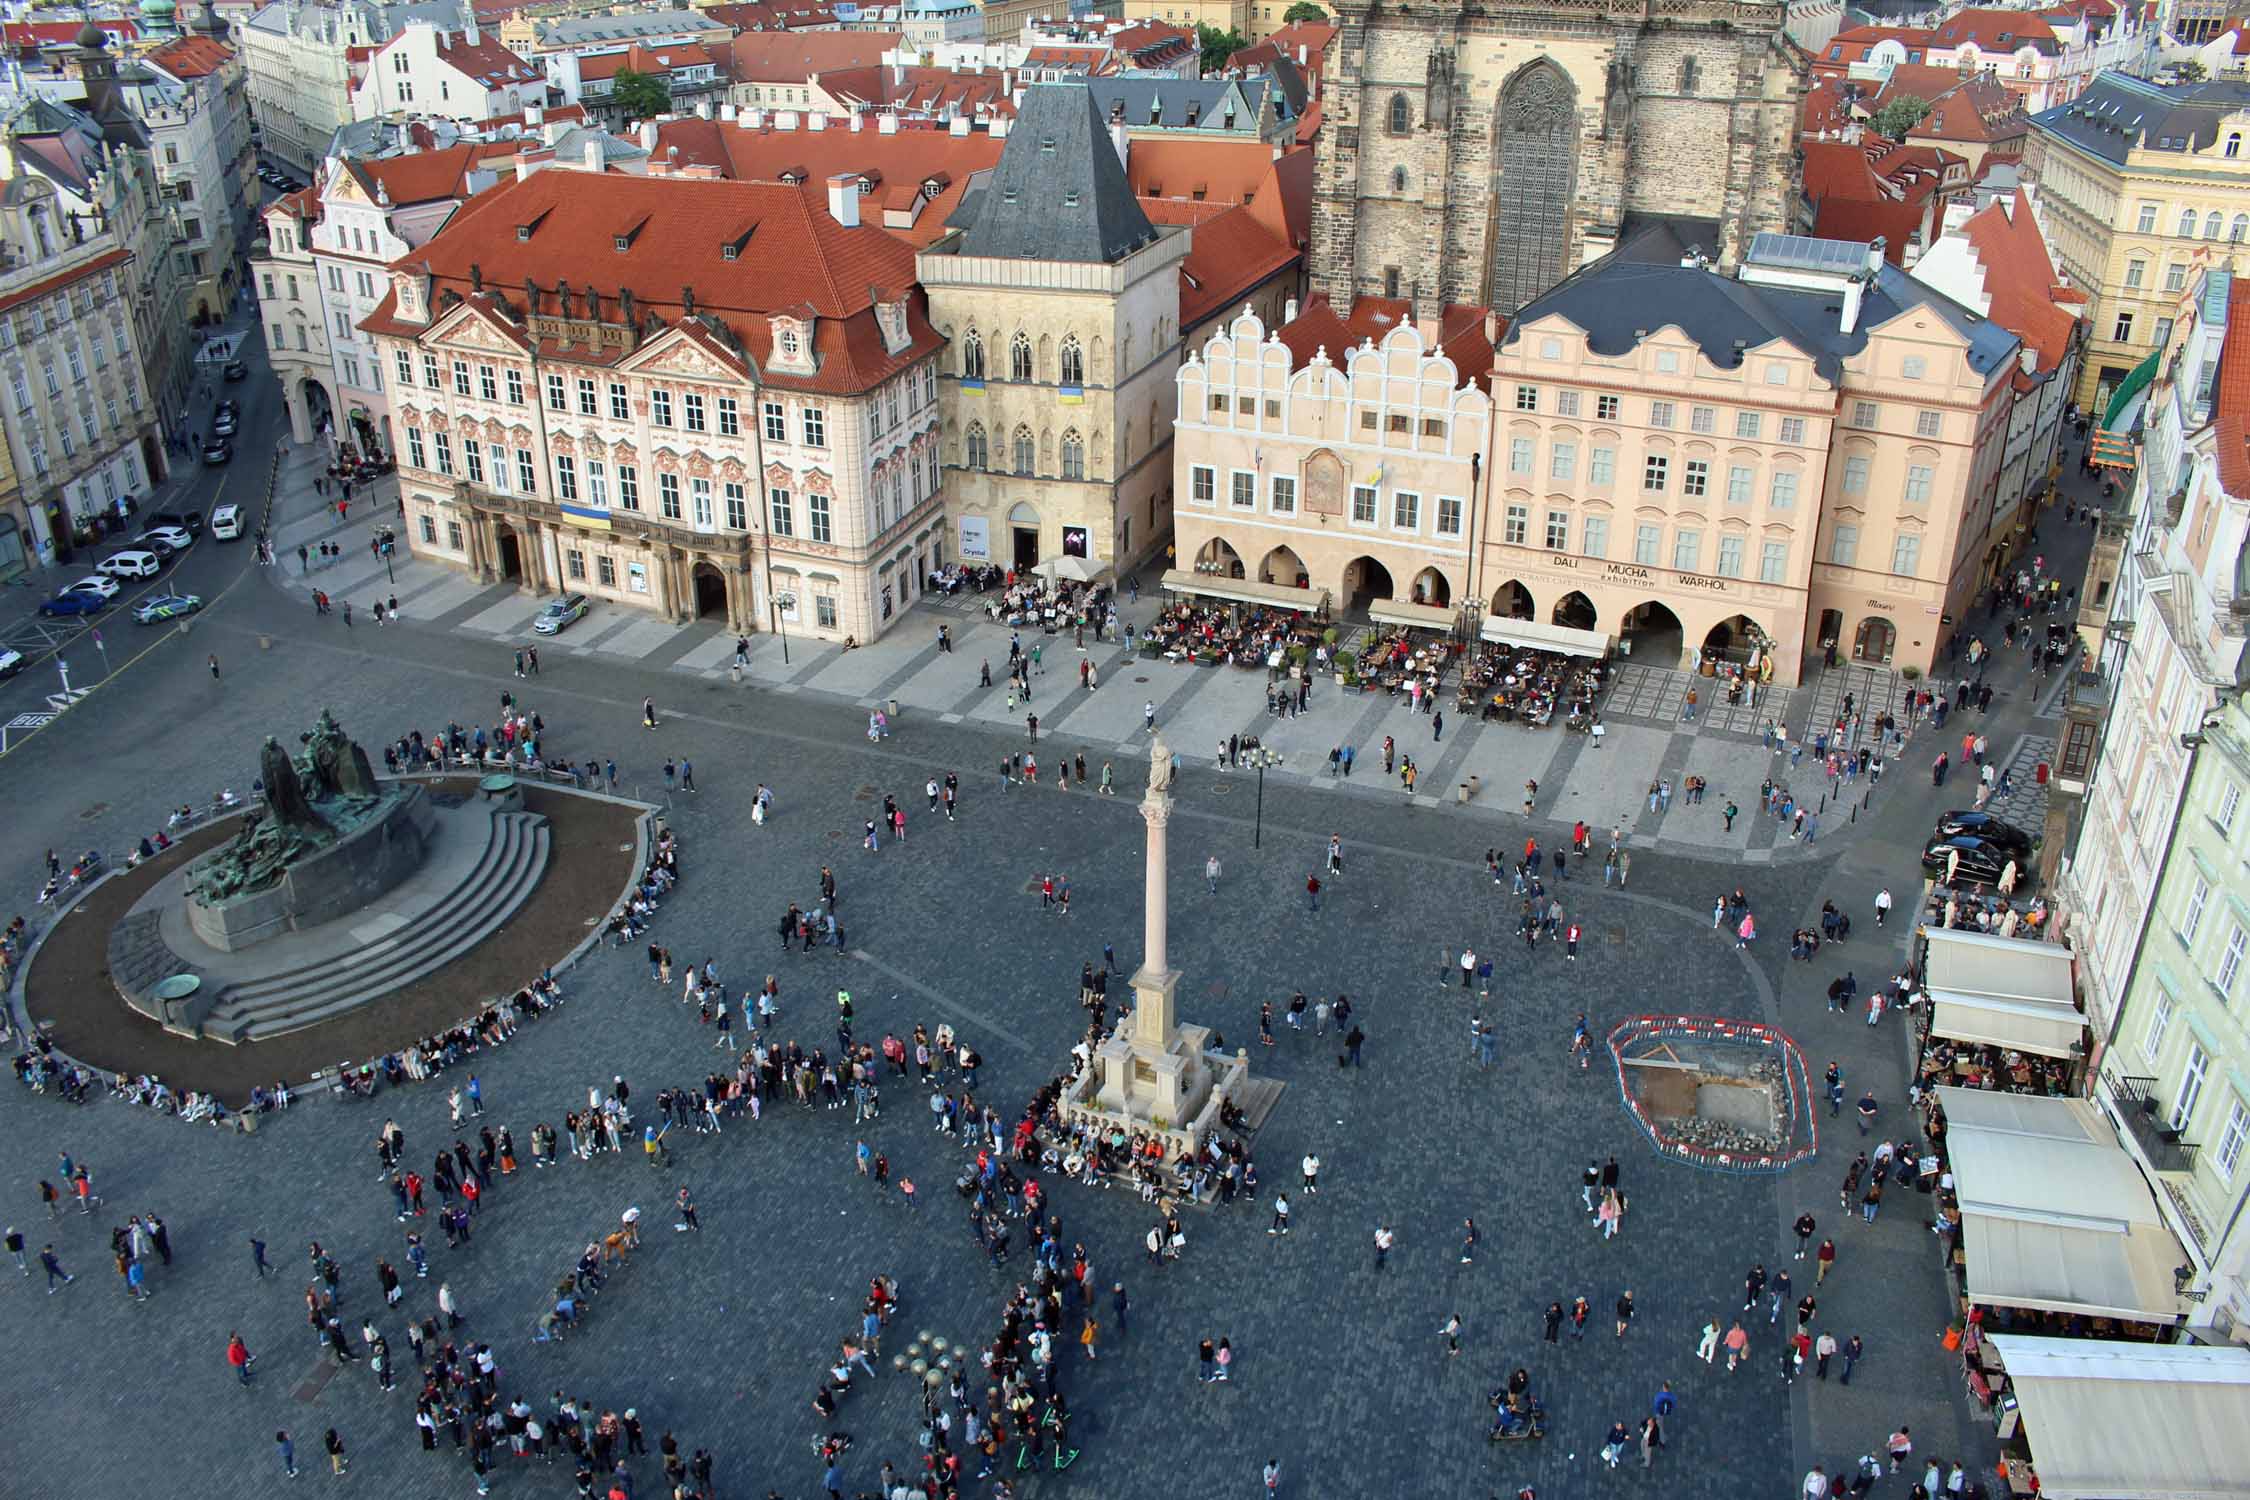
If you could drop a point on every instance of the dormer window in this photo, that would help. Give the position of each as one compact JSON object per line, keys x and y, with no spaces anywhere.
{"x":622,"y":243}
{"x":792,"y":346}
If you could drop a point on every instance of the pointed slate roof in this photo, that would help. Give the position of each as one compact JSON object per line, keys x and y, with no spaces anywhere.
{"x":1058,"y":191}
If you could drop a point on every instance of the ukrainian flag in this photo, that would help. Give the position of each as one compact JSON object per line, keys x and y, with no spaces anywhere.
{"x":976,"y":387}
{"x":587,"y":516}
{"x":1073,"y":395}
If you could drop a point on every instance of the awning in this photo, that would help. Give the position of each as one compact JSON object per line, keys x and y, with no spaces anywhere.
{"x":2110,"y":1420}
{"x":1538,"y":637}
{"x":1076,"y":569}
{"x":2007,"y":992}
{"x":1244,"y":590}
{"x":2054,"y":1213}
{"x":1424,"y":616}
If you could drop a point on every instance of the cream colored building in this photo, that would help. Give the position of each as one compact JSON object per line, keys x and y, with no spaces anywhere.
{"x":291,"y":305}
{"x":2141,"y":185}
{"x":1334,"y":461}
{"x":298,"y":55}
{"x":1219,"y":15}
{"x":1711,"y":467}
{"x":690,"y":396}
{"x":1060,"y":303}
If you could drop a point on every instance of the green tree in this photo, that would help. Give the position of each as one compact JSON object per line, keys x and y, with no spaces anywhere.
{"x":2191,"y":71}
{"x":1304,"y":10}
{"x":1218,"y":46}
{"x":644,"y":96}
{"x":1899,"y":116}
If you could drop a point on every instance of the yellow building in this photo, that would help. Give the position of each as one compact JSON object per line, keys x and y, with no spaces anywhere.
{"x":1220,"y":15}
{"x":2141,"y":185}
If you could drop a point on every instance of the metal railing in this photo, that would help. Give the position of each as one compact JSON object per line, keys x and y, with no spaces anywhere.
{"x":2144,"y":1117}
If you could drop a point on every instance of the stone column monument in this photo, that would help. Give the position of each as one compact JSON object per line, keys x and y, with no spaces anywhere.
{"x":1156,"y":1079}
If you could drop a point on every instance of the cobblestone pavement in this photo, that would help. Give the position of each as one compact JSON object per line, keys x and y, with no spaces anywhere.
{"x":1340,"y":1372}
{"x":718,"y":1337}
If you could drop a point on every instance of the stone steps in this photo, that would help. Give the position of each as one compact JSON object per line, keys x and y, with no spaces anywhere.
{"x":502,"y":878}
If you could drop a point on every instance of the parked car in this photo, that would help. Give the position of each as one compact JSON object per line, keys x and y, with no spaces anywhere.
{"x":189,"y":521}
{"x":218,"y":451}
{"x":226,"y":522}
{"x":132,"y":564}
{"x":1982,"y":861}
{"x":11,"y":662}
{"x":1983,"y":825}
{"x":561,"y":613}
{"x":164,"y":540}
{"x":95,"y":583}
{"x":166,"y":607}
{"x":226,"y":419}
{"x":236,"y":370}
{"x":76,"y":601}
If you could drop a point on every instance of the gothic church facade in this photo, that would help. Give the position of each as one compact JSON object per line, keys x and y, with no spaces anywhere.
{"x":1478,"y":151}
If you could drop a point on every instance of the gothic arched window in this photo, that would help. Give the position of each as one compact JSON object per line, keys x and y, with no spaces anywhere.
{"x":1402,"y":115}
{"x":972,"y":356}
{"x":979,"y":457}
{"x":1398,"y":180}
{"x":1688,"y":72}
{"x":1023,"y":451}
{"x":1073,"y":362}
{"x":1073,"y":456}
{"x":1019,"y":357}
{"x":1536,"y":173}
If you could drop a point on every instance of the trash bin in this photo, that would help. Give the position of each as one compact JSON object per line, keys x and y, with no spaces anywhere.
{"x":1464,"y":792}
{"x":2040,"y":773}
{"x":892,"y":708}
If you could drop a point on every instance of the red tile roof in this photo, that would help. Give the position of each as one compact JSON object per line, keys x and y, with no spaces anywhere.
{"x":651,"y":61}
{"x":486,"y":60}
{"x":1153,"y":43}
{"x":1827,"y":106}
{"x":1313,"y":37}
{"x":1462,"y":335}
{"x":1861,"y":191}
{"x":903,"y":160}
{"x":1995,"y":31}
{"x":1223,"y":171}
{"x":2020,"y":278}
{"x":1854,"y":43}
{"x":786,"y":16}
{"x":55,"y":283}
{"x":30,"y":34}
{"x":918,"y":90}
{"x":191,"y":56}
{"x":2232,"y":405}
{"x":791,"y":254}
{"x":426,"y":176}
{"x":553,"y":114}
{"x":795,"y":56}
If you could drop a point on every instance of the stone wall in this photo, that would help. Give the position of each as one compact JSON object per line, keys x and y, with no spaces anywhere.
{"x":1714,"y":145}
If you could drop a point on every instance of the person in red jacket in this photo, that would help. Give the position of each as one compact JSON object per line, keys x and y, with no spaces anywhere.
{"x":239,"y":1356}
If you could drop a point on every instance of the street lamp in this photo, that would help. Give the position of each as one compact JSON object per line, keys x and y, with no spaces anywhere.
{"x":775,"y":604}
{"x":1262,"y":758}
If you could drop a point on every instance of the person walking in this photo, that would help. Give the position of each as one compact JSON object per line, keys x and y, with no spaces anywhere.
{"x":1450,"y":1331}
{"x":53,"y":1268}
{"x":1624,"y":1311}
{"x":338,"y":1465}
{"x":283,"y":1448}
{"x":1384,"y":1239}
{"x":1211,"y":874}
{"x":239,"y":1356}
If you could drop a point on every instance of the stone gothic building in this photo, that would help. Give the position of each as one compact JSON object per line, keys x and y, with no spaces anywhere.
{"x":1478,"y":153}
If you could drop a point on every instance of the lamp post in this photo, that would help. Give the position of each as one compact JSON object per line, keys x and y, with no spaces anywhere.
{"x":775,"y":604}
{"x":1262,"y":757}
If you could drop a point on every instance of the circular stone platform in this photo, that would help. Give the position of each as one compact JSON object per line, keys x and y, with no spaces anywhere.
{"x":69,"y":988}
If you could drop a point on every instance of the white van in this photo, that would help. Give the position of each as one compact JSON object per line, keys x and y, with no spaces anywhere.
{"x":130,"y":565}
{"x":226,"y":522}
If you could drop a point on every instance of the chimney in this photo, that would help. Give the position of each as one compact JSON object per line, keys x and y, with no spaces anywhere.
{"x":1117,"y":137}
{"x":859,"y":122}
{"x":648,"y":135}
{"x":1854,"y":291}
{"x":469,"y":34}
{"x":960,"y":126}
{"x":1300,"y":54}
{"x":1875,"y":248}
{"x":2030,"y":359}
{"x":843,"y":199}
{"x":594,"y":162}
{"x":553,"y":131}
{"x":534,"y":115}
{"x":523,"y":165}
{"x":727,"y":112}
{"x":886,"y":123}
{"x":816,"y":121}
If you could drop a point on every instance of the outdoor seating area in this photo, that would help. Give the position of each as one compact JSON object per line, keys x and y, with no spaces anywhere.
{"x":1970,"y":906}
{"x":1242,"y":635}
{"x":1031,"y":602}
{"x":1981,"y":1065}
{"x":1512,"y":684}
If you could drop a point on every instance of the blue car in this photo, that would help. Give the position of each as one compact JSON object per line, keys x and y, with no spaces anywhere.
{"x":75,"y":602}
